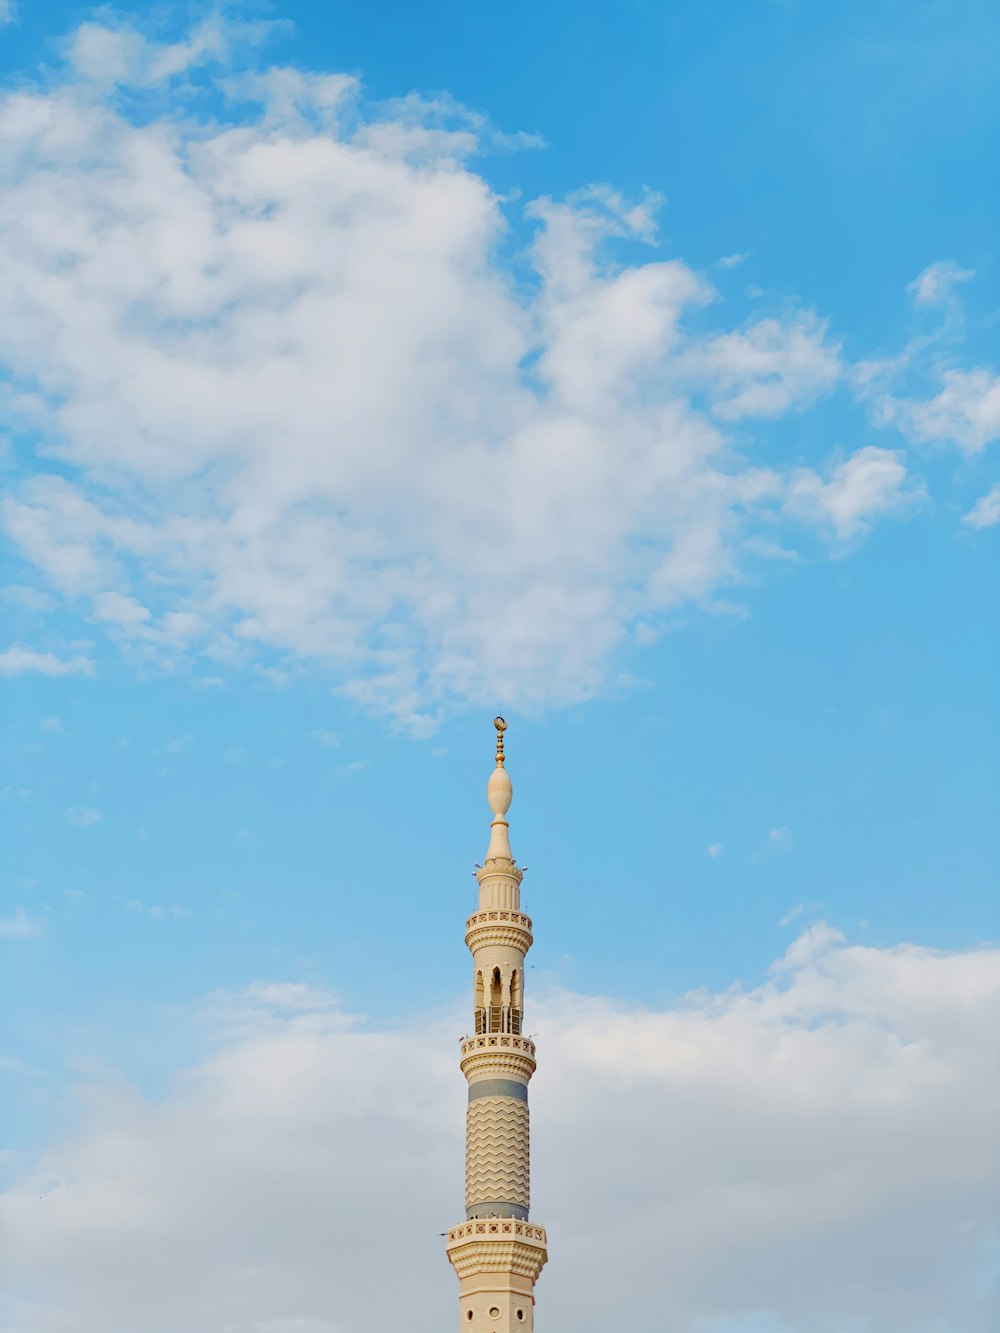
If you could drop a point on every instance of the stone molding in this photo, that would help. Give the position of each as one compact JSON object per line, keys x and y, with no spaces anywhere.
{"x":498,"y":1056}
{"x":500,"y":1246}
{"x":498,"y":933}
{"x":495,"y":867}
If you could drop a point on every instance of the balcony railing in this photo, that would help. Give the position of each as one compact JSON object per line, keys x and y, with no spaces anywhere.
{"x":503,"y":1019}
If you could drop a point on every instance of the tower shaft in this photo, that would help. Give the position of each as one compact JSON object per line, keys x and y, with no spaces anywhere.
{"x":497,"y":1252}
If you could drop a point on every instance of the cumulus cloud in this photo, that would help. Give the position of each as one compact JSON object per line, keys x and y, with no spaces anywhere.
{"x":985,"y":513}
{"x":769,"y":367}
{"x":966,"y":411}
{"x":817,"y":1151}
{"x":868,"y":485}
{"x":307,"y":411}
{"x":18,"y":659}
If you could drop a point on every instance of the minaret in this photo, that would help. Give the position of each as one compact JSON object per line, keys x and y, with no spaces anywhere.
{"x":496,"y":1252}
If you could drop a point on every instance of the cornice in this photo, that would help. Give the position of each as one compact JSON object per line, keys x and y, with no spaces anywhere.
{"x":498,"y":1055}
{"x":497,"y":1246}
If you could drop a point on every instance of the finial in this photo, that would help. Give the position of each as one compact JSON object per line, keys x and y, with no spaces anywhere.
{"x":499,"y":793}
{"x":501,"y":727}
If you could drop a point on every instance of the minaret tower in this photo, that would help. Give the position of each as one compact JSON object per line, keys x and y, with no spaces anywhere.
{"x":496,"y":1252}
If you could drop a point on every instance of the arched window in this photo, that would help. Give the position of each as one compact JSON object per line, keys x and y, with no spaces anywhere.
{"x":516,"y":1002}
{"x":496,"y":1001}
{"x":480,"y":1003}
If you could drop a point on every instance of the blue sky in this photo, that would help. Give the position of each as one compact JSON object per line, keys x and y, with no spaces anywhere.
{"x":369,"y":369}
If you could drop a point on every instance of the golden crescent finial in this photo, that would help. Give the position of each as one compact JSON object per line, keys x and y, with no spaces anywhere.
{"x":501,"y":727}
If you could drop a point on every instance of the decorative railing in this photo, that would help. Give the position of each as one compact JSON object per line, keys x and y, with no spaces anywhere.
{"x":507,"y":1018}
{"x":515,"y":918}
{"x":491,"y":1227}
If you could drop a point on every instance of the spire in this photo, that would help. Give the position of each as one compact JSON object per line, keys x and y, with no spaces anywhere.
{"x":499,"y":793}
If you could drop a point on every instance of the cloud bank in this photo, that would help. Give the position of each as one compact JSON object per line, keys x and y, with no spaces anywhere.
{"x":814,"y":1154}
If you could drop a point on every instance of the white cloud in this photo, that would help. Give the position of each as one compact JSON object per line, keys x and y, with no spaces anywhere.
{"x":966,"y":412}
{"x":919,"y":390}
{"x":25,"y":598}
{"x":777,"y":840}
{"x":937,"y":282}
{"x":304,"y":410}
{"x":81,"y":816}
{"x":769,"y":367}
{"x":714,"y":850}
{"x":797,"y":911}
{"x":733,"y":261}
{"x":52,"y":725}
{"x":985,"y":513}
{"x":17,"y":659}
{"x":869,"y":484}
{"x":817,"y":1151}
{"x":21,"y":927}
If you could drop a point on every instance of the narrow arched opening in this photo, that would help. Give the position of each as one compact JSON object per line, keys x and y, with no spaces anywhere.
{"x":516,"y":1002}
{"x":480,"y":1004}
{"x":496,"y":1002}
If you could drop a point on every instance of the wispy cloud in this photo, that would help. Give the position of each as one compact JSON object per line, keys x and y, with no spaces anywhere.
{"x":777,"y":840}
{"x":82,"y":816}
{"x":869,"y":485}
{"x":965,"y":412}
{"x":794,"y":913}
{"x":52,"y":725}
{"x":21,"y":927}
{"x":714,"y":850}
{"x":937,"y":282}
{"x":331,"y":738}
{"x":17,"y":659}
{"x":155,"y":911}
{"x":985,"y":513}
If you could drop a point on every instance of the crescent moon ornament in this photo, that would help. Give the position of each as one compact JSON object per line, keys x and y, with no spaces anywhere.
{"x":501,"y":727}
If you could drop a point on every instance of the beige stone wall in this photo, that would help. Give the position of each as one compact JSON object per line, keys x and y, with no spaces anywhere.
{"x":497,"y":1263}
